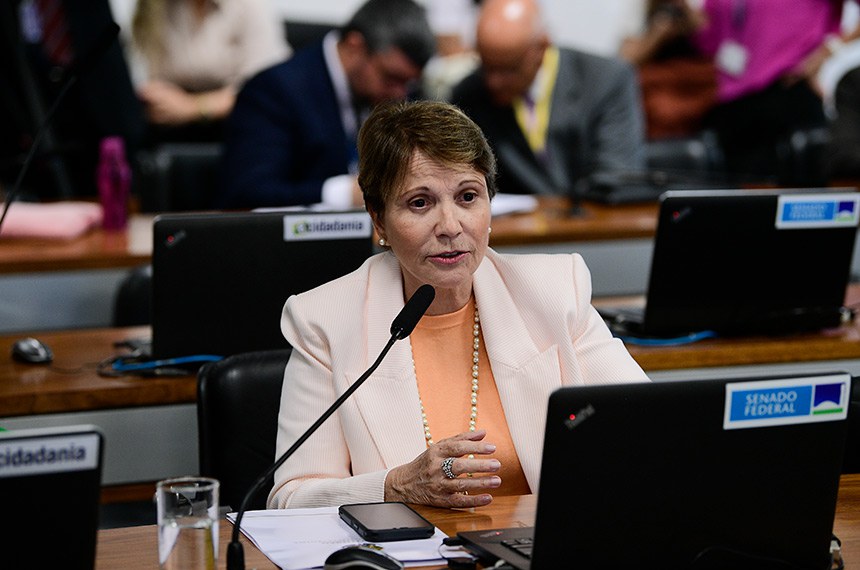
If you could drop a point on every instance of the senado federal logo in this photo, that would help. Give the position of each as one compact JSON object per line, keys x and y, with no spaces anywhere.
{"x":785,"y":402}
{"x":303,"y":227}
{"x":825,"y":210}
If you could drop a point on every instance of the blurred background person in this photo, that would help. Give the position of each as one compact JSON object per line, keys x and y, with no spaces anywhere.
{"x":843,"y":153}
{"x":678,"y":82}
{"x":453,"y":23}
{"x":45,"y":43}
{"x":291,"y":138}
{"x":766,"y":55}
{"x":553,"y":115}
{"x":190,"y":57}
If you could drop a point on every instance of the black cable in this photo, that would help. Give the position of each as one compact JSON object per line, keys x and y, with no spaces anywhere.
{"x":16,"y":187}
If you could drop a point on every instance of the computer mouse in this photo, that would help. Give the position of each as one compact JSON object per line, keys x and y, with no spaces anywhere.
{"x":361,"y":557}
{"x":32,"y":350}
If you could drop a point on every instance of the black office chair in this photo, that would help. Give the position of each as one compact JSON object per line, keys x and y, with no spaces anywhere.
{"x":301,"y":34}
{"x":698,"y":155}
{"x":237,"y":415}
{"x":178,"y":177}
{"x":802,"y":157}
{"x":132,"y":304}
{"x":851,"y":462}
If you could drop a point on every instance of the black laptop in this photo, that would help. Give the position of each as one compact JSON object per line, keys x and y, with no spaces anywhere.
{"x":691,"y":474}
{"x":220,"y":280}
{"x":50,"y":484}
{"x":736,"y":262}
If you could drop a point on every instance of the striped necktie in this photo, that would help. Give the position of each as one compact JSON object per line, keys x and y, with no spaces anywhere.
{"x":56,"y":40}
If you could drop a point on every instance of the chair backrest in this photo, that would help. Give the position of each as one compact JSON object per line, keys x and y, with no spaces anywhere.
{"x":178,"y":177}
{"x":802,"y":157}
{"x":851,"y":462}
{"x":132,"y":304}
{"x":301,"y":34}
{"x":238,"y":399}
{"x":699,"y":155}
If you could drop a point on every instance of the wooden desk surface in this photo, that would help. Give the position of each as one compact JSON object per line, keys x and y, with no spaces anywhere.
{"x":137,"y":547}
{"x":552,"y":222}
{"x":97,"y":249}
{"x":72,"y":384}
{"x":842,"y":343}
{"x":836,"y":344}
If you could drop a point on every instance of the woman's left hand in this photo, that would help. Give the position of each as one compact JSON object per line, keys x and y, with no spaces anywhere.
{"x":424,"y":480}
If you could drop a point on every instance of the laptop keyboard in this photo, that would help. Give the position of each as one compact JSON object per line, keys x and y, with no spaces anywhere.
{"x":521,"y":545}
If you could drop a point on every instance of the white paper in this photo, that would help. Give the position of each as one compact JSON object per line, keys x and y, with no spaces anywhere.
{"x":295,"y":539}
{"x":513,"y":203}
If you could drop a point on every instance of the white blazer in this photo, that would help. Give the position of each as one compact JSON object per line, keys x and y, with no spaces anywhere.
{"x":540,"y":332}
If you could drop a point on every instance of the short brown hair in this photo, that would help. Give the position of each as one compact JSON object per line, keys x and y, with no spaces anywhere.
{"x":394,"y":131}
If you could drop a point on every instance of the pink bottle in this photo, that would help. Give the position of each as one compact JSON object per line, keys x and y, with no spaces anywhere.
{"x":113,"y":177}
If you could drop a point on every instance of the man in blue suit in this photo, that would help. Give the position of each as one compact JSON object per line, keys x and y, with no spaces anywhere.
{"x":291,"y":136}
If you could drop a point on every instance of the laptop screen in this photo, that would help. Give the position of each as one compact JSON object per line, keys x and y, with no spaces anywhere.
{"x":699,"y":474}
{"x":704,"y":474}
{"x":750,"y":261}
{"x":50,"y":483}
{"x":220,"y":280}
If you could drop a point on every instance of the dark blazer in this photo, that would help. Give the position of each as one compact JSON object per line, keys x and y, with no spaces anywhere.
{"x":285,"y":136}
{"x":101,"y":103}
{"x":596,"y":123}
{"x":843,"y":153}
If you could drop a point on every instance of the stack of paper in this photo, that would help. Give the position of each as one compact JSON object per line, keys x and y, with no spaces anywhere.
{"x":294,"y":539}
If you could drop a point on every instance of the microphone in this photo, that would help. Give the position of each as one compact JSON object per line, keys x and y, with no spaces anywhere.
{"x":401,"y":327}
{"x":75,"y":71}
{"x":405,"y":321}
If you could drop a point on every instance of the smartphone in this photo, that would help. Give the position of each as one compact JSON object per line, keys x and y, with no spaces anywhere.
{"x":386,"y":522}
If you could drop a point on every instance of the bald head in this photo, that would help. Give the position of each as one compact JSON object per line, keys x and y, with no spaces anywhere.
{"x":509,"y":24}
{"x":511,"y":40}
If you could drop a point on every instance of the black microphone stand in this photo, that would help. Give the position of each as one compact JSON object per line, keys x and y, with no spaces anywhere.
{"x":16,"y":187}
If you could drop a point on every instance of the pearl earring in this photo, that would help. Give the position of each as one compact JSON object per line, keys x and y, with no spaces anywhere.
{"x":490,"y":230}
{"x":382,"y":242}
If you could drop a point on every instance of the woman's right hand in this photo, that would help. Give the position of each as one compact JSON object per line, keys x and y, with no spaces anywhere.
{"x":423,"y":480}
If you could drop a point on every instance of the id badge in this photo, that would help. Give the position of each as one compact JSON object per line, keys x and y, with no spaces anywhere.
{"x":732,"y":58}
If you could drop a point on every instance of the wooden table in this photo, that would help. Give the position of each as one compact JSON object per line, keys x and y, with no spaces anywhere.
{"x":71,"y":384}
{"x":97,"y":249}
{"x":551,"y":222}
{"x":554,"y":222}
{"x":137,"y":547}
{"x":72,"y":387}
{"x":98,"y":261}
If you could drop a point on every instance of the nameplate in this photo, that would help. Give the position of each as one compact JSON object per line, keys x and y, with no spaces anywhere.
{"x":41,"y":455}
{"x":309,"y":227}
{"x":785,"y":402}
{"x":800,"y":211}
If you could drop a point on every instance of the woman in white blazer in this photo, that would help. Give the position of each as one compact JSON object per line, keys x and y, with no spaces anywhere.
{"x":455,"y":413}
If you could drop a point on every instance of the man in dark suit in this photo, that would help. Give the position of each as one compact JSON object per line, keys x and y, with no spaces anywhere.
{"x":842,"y":156}
{"x":291,"y":136}
{"x":44,"y":42}
{"x":553,"y":116}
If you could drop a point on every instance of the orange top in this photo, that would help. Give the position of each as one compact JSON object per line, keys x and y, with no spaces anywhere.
{"x":442,"y":349}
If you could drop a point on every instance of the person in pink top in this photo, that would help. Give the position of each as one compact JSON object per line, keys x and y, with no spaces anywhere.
{"x":766,"y":53}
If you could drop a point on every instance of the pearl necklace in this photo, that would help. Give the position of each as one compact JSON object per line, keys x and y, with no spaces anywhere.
{"x":473,"y":398}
